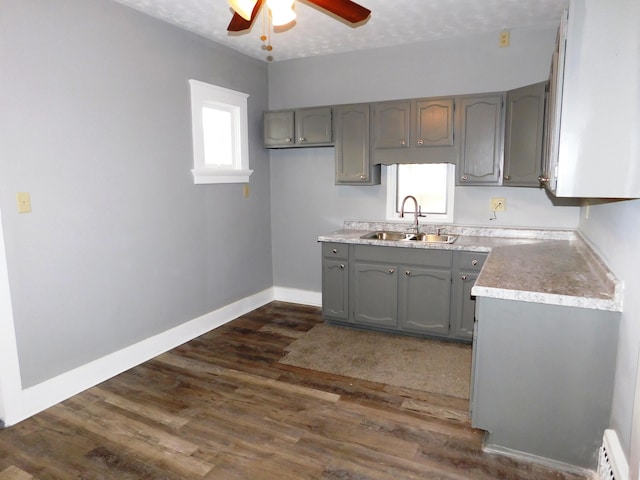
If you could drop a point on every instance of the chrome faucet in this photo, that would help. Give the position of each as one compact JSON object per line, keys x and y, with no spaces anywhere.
{"x":416,"y":211}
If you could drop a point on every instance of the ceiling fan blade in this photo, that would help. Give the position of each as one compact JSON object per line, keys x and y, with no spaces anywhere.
{"x":239,"y":24}
{"x":350,"y":11}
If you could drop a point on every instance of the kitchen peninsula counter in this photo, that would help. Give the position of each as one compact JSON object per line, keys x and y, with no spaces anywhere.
{"x":554,"y":267}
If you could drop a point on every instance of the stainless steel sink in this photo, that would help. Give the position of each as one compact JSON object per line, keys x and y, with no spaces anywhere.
{"x":416,"y":237}
{"x":395,"y":236}
{"x":435,"y":238}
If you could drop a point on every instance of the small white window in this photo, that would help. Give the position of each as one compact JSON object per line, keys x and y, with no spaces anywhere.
{"x":433,"y":186}
{"x":220,"y":137}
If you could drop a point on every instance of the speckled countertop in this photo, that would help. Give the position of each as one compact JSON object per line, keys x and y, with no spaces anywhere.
{"x":541,"y":266}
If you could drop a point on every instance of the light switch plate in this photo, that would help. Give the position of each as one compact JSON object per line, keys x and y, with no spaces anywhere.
{"x":498,"y":204}
{"x":24,"y":202}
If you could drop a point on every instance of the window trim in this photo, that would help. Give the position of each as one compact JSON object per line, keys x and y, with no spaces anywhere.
{"x":202,"y":95}
{"x":432,"y":218}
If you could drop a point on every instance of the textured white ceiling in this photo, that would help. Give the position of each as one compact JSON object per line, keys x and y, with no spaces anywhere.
{"x":392,"y":22}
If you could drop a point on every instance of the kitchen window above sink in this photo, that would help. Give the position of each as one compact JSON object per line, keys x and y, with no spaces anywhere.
{"x":432,"y":184}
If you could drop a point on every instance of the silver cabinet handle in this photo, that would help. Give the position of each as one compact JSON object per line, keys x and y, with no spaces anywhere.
{"x":335,"y":250}
{"x":542,"y":179}
{"x":464,"y":178}
{"x":463,"y":277}
{"x":403,"y":143}
{"x":362,"y":177}
{"x":421,"y":142}
{"x":391,"y":270}
{"x":302,"y":139}
{"x":288,"y":140}
{"x":507,"y":177}
{"x":408,"y":273}
{"x":342,"y":266}
{"x":474,"y":262}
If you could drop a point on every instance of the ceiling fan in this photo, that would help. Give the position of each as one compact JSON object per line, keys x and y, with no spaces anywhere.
{"x":245,"y":11}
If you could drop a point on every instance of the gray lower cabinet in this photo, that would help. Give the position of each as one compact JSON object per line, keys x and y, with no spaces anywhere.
{"x":351,"y":133}
{"x":423,"y":305}
{"x":524,"y":131}
{"x":542,"y":378}
{"x":482,"y":127}
{"x":388,"y":288}
{"x":375,"y":294}
{"x":466,"y":268}
{"x":335,"y":281}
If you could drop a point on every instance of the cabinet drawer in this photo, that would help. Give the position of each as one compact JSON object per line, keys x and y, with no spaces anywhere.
{"x":335,"y":250}
{"x":404,"y":255}
{"x":471,"y":261}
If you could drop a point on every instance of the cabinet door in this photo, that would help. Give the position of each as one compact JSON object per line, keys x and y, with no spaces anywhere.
{"x":353,"y":164}
{"x":465,"y":305}
{"x":424,"y":300}
{"x":335,"y":289}
{"x":434,"y":123}
{"x":524,"y":135}
{"x":391,"y":124}
{"x":313,"y":126}
{"x":375,"y":294}
{"x":481,"y":132}
{"x":278,"y":128}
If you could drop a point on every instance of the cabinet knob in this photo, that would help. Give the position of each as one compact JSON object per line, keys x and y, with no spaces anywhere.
{"x":474,"y":262}
{"x":391,"y":270}
{"x":421,"y":142}
{"x":507,"y":177}
{"x":335,"y":250}
{"x":302,"y":139}
{"x":408,"y":273}
{"x":463,"y":178}
{"x":362,"y":177}
{"x":543,"y":179}
{"x":403,"y":143}
{"x":463,"y":277}
{"x":288,"y":140}
{"x":342,"y":266}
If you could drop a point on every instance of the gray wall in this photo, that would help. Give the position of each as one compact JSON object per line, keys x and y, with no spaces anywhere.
{"x":95,"y":124}
{"x":305,"y":202}
{"x":614,"y":229}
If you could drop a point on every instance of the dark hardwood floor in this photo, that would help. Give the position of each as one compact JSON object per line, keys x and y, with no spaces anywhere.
{"x":222,"y":407}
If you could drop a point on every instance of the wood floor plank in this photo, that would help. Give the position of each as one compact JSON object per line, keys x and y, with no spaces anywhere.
{"x":223,"y":407}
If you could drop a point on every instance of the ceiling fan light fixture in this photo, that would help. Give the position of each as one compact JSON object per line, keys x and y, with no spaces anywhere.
{"x":244,"y":8}
{"x":281,"y":12}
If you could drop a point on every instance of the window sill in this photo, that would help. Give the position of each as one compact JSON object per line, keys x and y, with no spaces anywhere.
{"x":207,"y":176}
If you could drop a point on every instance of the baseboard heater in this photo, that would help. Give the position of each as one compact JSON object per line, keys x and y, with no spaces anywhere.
{"x":612,"y":463}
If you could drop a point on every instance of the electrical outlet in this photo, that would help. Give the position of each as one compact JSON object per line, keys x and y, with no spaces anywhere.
{"x":504,"y":39}
{"x":498,"y":204}
{"x":245,"y":190}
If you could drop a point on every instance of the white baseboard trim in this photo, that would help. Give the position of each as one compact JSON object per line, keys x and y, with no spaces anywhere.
{"x":547,"y":462}
{"x":617,"y":458}
{"x":29,"y":401}
{"x":294,"y":295}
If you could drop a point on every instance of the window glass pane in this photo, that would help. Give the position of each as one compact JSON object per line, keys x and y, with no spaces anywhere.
{"x":218,"y":140}
{"x":427,"y":182}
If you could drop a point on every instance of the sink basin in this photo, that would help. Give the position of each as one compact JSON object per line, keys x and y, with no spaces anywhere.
{"x":433,"y":238}
{"x":416,"y":237}
{"x":389,"y":236}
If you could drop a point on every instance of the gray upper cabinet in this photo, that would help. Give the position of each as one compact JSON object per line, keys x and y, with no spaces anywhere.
{"x":482,"y":127}
{"x":524,"y":129}
{"x":391,"y":124}
{"x":351,"y":132}
{"x":414,"y":131}
{"x":304,"y":127}
{"x":433,"y":123}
